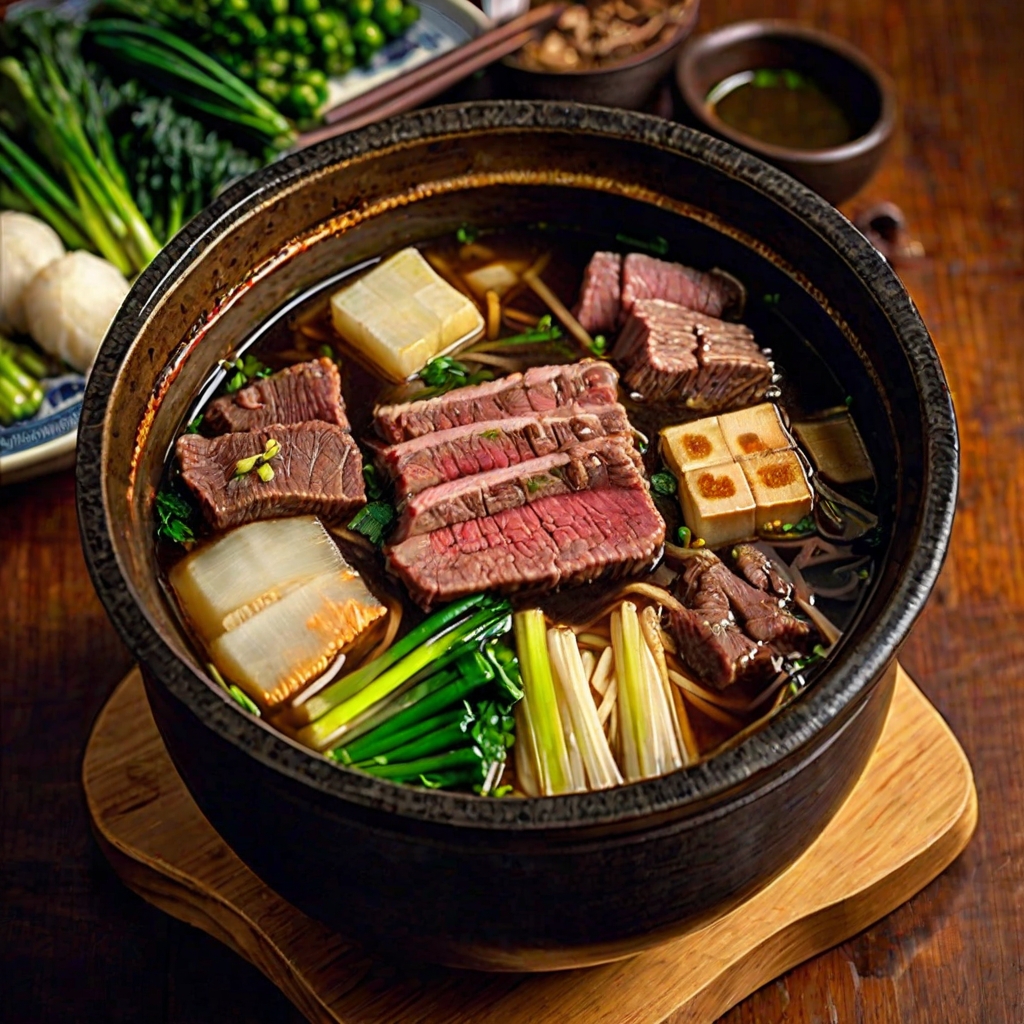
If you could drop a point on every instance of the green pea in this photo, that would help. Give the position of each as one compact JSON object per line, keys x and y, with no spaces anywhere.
{"x":410,"y":15}
{"x":360,"y":9}
{"x":297,"y":27}
{"x":236,"y":6}
{"x":386,"y":12}
{"x":273,"y":90}
{"x":313,"y":77}
{"x":304,"y":98}
{"x":245,"y":70}
{"x":338,"y":64}
{"x":322,"y":23}
{"x":258,"y":32}
{"x":307,"y":7}
{"x":330,"y":44}
{"x":300,"y":62}
{"x":270,"y":68}
{"x":282,"y":56}
{"x":368,"y":36}
{"x":280,"y":26}
{"x":348,"y":49}
{"x":341,"y":31}
{"x":278,"y":7}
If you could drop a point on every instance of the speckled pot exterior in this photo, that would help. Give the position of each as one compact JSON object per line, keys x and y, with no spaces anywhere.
{"x":514,"y":884}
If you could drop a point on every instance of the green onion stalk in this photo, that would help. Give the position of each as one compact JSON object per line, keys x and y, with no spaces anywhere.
{"x":436,"y":643}
{"x":63,"y":109}
{"x":20,"y":392}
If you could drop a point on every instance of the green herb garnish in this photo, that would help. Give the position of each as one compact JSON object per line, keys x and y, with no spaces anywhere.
{"x":467,"y":234}
{"x":373,"y":521}
{"x":657,"y":244}
{"x":243,"y":371}
{"x":194,"y":425}
{"x":818,"y":653}
{"x":599,"y":345}
{"x":772,"y":299}
{"x":490,"y":435}
{"x":683,"y":535}
{"x":176,"y":517}
{"x":259,"y":462}
{"x":371,"y":478}
{"x":443,"y":374}
{"x":664,"y":483}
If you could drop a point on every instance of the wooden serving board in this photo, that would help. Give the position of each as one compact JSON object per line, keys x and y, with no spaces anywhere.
{"x":912,"y":812}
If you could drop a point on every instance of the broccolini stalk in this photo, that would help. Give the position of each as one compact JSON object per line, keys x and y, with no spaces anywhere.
{"x":541,"y":712}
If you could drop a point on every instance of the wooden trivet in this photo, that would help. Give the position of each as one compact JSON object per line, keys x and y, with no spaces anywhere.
{"x":912,"y":812}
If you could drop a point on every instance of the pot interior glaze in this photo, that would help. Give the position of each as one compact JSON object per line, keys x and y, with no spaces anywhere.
{"x":320,"y":211}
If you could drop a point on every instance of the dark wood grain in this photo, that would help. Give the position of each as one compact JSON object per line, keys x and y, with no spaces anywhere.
{"x":76,"y":945}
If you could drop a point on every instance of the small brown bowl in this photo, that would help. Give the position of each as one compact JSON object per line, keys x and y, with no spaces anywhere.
{"x":866,"y":92}
{"x":628,"y":84}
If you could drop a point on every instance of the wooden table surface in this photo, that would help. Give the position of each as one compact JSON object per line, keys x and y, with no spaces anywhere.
{"x":76,"y":945}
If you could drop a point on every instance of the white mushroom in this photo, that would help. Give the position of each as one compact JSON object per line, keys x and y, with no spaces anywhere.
{"x":27,"y":244}
{"x":69,"y":305}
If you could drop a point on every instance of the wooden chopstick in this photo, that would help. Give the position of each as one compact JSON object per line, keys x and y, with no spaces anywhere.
{"x":409,"y":90}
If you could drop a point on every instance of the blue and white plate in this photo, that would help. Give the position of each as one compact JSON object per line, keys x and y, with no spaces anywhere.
{"x":46,"y":442}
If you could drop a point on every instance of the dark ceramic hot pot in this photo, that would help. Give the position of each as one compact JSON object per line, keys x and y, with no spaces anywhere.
{"x":514,"y":884}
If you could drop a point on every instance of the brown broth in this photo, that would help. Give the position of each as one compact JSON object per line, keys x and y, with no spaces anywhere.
{"x":782,"y":108}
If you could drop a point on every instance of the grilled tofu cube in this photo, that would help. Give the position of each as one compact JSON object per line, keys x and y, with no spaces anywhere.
{"x":717,"y":504}
{"x":402,"y":313}
{"x":836,"y":448}
{"x":779,"y":485}
{"x":694,"y":445}
{"x":757,"y":429}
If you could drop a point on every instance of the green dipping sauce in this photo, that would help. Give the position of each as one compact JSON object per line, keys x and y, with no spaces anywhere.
{"x":781,"y":107}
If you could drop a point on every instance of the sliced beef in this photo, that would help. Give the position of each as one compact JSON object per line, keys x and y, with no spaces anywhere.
{"x":588,"y":383}
{"x":644,"y":277}
{"x":305,"y":391}
{"x":671,"y":353}
{"x":611,"y":531}
{"x":710,"y":640}
{"x":733,"y":624}
{"x":603,"y":462}
{"x":479,"y":447}
{"x":600,"y":294}
{"x":319,"y":471}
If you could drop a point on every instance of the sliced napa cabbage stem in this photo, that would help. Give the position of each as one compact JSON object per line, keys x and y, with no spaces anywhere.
{"x":580,"y":712}
{"x":540,"y":713}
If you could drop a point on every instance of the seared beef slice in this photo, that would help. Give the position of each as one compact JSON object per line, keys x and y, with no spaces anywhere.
{"x":644,"y":277}
{"x":609,"y":531}
{"x":583,"y":466}
{"x":588,"y":383}
{"x":600,"y":294}
{"x":305,"y":391}
{"x":668,"y":352}
{"x":480,"y":447}
{"x":318,"y":471}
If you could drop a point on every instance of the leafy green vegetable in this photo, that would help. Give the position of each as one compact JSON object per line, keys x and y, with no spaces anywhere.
{"x":176,"y":517}
{"x":175,"y":164}
{"x":443,"y":374}
{"x":243,"y":371}
{"x":467,"y":234}
{"x":664,"y":483}
{"x":374,"y":520}
{"x":194,"y":425}
{"x":375,"y":488}
{"x":656,"y":245}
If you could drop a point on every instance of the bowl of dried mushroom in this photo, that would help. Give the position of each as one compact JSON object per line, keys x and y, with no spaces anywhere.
{"x":612,"y":52}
